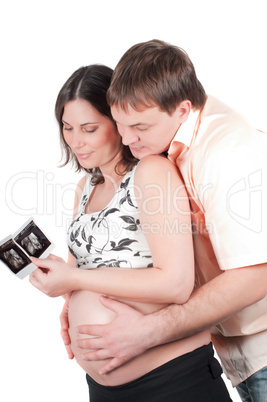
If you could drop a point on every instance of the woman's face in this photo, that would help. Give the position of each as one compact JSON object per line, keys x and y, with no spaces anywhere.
{"x":92,"y":137}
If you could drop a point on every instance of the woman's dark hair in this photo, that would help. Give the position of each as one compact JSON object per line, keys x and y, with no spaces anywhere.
{"x":91,"y":84}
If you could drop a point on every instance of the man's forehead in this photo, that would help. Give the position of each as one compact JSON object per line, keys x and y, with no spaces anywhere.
{"x":132,"y":117}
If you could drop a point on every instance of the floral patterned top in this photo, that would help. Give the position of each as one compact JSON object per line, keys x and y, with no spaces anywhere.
{"x":113,"y":236}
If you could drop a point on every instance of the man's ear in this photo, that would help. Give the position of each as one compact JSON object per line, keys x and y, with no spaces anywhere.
{"x":183,"y":110}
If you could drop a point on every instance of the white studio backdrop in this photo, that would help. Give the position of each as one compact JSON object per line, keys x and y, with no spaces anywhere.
{"x":41,"y":45}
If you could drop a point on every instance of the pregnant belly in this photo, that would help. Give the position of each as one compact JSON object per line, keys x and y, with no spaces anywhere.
{"x":85,"y":308}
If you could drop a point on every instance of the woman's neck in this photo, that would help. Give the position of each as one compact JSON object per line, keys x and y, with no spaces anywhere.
{"x":113,"y":172}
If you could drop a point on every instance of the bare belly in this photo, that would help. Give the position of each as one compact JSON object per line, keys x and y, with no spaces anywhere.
{"x":85,"y":308}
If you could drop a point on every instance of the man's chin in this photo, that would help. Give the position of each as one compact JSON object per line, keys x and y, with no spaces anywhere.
{"x":140,"y":153}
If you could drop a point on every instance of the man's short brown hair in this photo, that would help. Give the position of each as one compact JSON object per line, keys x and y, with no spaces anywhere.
{"x":155,"y":73}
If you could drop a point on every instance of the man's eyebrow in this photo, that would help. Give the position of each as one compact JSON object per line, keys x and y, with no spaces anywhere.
{"x":134,"y":125}
{"x":139,"y":124}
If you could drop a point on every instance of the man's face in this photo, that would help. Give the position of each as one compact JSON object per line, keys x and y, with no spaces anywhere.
{"x":148,"y":131}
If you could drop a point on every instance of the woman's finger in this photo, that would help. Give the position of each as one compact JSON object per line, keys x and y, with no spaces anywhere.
{"x":54,"y":257}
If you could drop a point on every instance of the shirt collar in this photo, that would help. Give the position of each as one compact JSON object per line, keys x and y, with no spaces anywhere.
{"x":185,"y":132}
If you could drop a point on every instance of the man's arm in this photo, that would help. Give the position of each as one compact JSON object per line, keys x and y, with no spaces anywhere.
{"x":131,"y":333}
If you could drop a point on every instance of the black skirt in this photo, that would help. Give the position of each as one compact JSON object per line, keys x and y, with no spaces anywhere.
{"x":193,"y":377}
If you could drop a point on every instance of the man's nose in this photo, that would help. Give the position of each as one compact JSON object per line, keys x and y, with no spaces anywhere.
{"x":128,"y":136}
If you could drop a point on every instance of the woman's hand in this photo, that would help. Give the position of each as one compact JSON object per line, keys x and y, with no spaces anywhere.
{"x":64,"y":322}
{"x":54,"y":276}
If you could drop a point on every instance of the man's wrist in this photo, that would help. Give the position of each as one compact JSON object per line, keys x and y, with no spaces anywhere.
{"x":158,"y":327}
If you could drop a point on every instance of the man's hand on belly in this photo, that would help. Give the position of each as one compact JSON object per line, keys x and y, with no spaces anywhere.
{"x":119,"y":340}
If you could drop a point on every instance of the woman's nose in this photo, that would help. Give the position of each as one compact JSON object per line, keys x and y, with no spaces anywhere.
{"x":78,"y":139}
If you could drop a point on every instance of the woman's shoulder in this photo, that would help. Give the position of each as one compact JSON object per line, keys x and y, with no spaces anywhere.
{"x":156,"y":167}
{"x":156,"y":160}
{"x":80,"y":188}
{"x":81,"y":185}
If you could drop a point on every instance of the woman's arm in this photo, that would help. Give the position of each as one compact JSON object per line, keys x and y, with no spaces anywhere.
{"x":166,"y":223}
{"x":165,"y":220}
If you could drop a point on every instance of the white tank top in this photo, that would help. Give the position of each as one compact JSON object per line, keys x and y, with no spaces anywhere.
{"x":113,"y":236}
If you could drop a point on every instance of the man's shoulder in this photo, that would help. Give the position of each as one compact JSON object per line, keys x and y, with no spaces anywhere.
{"x":217,"y":109}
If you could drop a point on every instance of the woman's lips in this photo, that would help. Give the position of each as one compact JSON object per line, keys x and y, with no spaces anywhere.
{"x":83,"y":156}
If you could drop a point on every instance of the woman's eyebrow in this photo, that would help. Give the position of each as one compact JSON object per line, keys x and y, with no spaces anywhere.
{"x":83,"y":124}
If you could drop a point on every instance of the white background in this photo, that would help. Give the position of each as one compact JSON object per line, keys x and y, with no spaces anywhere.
{"x":42,"y":43}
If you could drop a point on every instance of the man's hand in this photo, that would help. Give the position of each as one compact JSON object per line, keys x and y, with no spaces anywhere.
{"x":54,"y":277}
{"x":64,"y":321}
{"x":122,"y":339}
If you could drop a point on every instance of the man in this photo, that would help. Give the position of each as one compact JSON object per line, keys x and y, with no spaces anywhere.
{"x":159,"y":105}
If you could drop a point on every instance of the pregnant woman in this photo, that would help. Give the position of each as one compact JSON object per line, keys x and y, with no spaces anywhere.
{"x":131,"y":240}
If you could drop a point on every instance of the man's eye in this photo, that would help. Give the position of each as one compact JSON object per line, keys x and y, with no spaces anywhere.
{"x":141,"y":128}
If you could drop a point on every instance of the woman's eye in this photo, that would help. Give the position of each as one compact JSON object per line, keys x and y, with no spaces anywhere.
{"x":67,"y":128}
{"x":88,"y":131}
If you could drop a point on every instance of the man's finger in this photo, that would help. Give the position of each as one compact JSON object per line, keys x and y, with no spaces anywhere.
{"x":112,"y":365}
{"x":93,"y":343}
{"x":95,"y":330}
{"x":113,"y":305}
{"x":101,"y":354}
